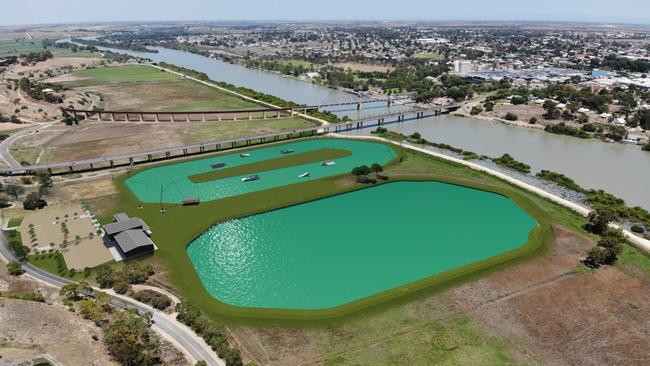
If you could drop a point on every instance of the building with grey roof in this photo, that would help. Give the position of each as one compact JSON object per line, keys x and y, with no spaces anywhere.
{"x":131,"y":235}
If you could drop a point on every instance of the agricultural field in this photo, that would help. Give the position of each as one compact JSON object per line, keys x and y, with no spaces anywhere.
{"x":137,"y":87}
{"x":429,"y":56}
{"x":10,"y":48}
{"x":97,"y":139}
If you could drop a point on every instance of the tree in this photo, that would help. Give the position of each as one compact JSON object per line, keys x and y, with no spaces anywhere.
{"x":599,"y":220}
{"x":532,"y":120}
{"x":75,"y":291}
{"x":361,"y":170}
{"x":376,"y":168}
{"x":33,"y":201}
{"x":201,"y":363}
{"x":551,"y":110}
{"x":15,"y":268}
{"x":20,"y":251}
{"x":105,"y":277}
{"x":14,"y":190}
{"x":91,"y":310}
{"x":596,"y":257}
{"x":4,"y":201}
{"x":45,"y":183}
{"x":477,"y":109}
{"x":130,"y":341}
{"x":511,"y":117}
{"x":489,"y":106}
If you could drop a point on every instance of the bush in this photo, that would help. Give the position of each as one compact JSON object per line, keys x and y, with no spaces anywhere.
{"x":121,"y":287}
{"x":511,"y":117}
{"x":153,"y":298}
{"x":33,"y":201}
{"x":532,"y":121}
{"x":637,"y":229}
{"x":14,"y":268}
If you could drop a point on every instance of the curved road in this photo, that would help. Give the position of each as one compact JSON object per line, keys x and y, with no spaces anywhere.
{"x":180,"y":334}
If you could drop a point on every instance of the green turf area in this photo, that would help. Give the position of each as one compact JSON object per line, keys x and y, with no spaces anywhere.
{"x":17,"y":48}
{"x":55,"y":263}
{"x":302,"y":63}
{"x":15,"y":221}
{"x":429,"y":56}
{"x":278,"y":163}
{"x":122,"y":74}
{"x":637,"y":259}
{"x":177,"y":227}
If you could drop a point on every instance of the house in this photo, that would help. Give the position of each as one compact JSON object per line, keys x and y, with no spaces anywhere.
{"x":620,"y":121}
{"x":130,"y":235}
{"x":583,"y":110}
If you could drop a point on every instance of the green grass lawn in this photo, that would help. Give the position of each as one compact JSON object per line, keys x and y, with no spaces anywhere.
{"x":429,"y":56}
{"x":303,"y":63}
{"x":272,"y":164}
{"x":55,"y":263}
{"x":175,"y":229}
{"x":122,"y":74}
{"x":15,"y":221}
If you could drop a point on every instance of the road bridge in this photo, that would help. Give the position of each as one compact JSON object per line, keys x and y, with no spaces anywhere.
{"x":176,"y":152}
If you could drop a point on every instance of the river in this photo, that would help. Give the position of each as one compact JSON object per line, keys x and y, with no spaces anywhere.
{"x":619,"y":169}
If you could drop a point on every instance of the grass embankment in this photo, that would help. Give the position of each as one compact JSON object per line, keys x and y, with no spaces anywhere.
{"x":13,"y":48}
{"x":175,"y":229}
{"x":272,"y":164}
{"x":15,"y":221}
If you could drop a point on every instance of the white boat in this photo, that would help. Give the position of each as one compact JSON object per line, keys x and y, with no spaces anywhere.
{"x":304,"y":175}
{"x":244,"y":155}
{"x":328,"y":163}
{"x":250,"y":178}
{"x":287,"y":151}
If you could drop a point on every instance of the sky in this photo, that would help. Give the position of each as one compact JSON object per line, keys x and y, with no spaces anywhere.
{"x":14,"y":12}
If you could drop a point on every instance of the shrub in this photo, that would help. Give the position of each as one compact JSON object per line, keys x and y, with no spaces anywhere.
{"x":511,"y":117}
{"x":637,"y":229}
{"x":14,"y":268}
{"x":153,"y":298}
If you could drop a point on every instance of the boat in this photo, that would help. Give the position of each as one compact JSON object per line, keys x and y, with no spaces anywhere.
{"x":218,"y":165}
{"x":244,"y":155}
{"x":287,"y":151}
{"x":328,"y":163}
{"x":304,"y":175}
{"x":250,"y":178}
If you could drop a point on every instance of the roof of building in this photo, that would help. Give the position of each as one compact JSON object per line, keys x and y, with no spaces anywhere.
{"x":123,"y":225}
{"x":132,"y":239}
{"x":120,"y":217}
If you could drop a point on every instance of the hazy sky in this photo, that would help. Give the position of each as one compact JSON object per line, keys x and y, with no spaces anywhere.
{"x":66,"y":11}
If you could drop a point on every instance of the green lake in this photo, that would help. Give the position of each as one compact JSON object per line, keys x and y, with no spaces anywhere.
{"x":332,"y":251}
{"x":176,"y":185}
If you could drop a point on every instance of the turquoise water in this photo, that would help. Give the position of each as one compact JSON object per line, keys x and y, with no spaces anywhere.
{"x":177,"y":186}
{"x":332,"y":251}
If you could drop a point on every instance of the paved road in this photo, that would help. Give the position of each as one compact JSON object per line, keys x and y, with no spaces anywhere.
{"x":181,"y":334}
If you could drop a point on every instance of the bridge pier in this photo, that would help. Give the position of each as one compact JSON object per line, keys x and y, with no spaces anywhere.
{"x":92,"y":167}
{"x":111,"y":163}
{"x":149,"y":157}
{"x":358,"y":106}
{"x":203,"y":117}
{"x":250,"y":116}
{"x":157,"y":117}
{"x":187,"y":118}
{"x":184,"y":151}
{"x":202,"y":148}
{"x":234,"y":116}
{"x":112,"y":117}
{"x":172,"y":117}
{"x":218,"y":117}
{"x":277,"y":114}
{"x":71,"y":168}
{"x":99,"y":118}
{"x":141,"y":117}
{"x":264,"y":115}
